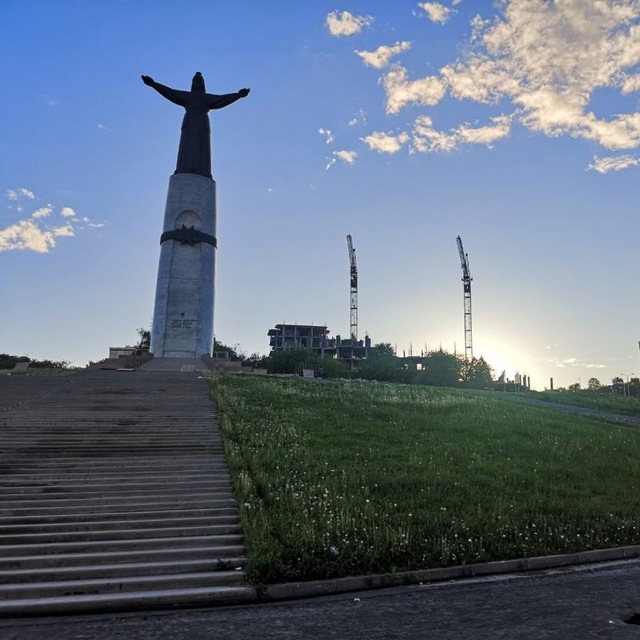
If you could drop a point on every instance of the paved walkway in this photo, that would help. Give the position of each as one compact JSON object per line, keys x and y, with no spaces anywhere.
{"x":631,"y":421}
{"x":577,"y":603}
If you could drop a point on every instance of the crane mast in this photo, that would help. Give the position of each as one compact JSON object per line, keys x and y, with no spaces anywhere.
{"x":353,"y":294}
{"x":466,"y":280}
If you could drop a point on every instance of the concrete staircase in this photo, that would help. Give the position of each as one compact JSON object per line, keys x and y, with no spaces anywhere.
{"x":114,"y":495}
{"x":175,"y":364}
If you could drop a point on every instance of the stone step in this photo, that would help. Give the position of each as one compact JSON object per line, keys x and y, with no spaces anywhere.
{"x":119,"y":584}
{"x":24,"y":483}
{"x":121,"y":569}
{"x":122,"y":488}
{"x":57,"y":527}
{"x":113,"y":468}
{"x":91,"y":546}
{"x":205,"y":552}
{"x":154,"y":599}
{"x":178,"y":497}
{"x":121,"y":506}
{"x":160,"y":531}
{"x":92,"y":516}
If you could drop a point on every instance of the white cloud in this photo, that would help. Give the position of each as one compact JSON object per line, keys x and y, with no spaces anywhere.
{"x":382,"y":55}
{"x":26,"y":234}
{"x":575,"y":363}
{"x":486,"y":135}
{"x":613,"y":163}
{"x":348,"y":157}
{"x":401,"y":92}
{"x":42,"y":212}
{"x":544,"y":59}
{"x":346,"y":24}
{"x":104,"y":127}
{"x":386,"y":142}
{"x":437,"y":12}
{"x":22,"y":192}
{"x":39,"y":231}
{"x":360,"y":117}
{"x":427,"y":140}
{"x":328,"y":133}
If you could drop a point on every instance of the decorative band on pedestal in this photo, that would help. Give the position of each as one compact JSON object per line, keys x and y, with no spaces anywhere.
{"x":188,"y":235}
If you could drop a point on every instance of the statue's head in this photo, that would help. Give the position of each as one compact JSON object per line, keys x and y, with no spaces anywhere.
{"x":197,"y":84}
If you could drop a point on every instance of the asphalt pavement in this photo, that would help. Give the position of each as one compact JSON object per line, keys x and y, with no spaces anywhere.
{"x":589,"y":601}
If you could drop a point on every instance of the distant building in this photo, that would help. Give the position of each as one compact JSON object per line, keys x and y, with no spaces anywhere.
{"x":117,"y":352}
{"x":316,"y":338}
{"x":299,"y":336}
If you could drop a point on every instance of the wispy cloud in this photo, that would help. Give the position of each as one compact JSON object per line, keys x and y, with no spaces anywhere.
{"x":346,"y":24}
{"x":426,"y":139}
{"x":327,"y":133}
{"x":22,"y":192}
{"x":42,"y":212}
{"x":381,"y":57}
{"x":39,"y":232}
{"x":402,"y":92}
{"x":575,"y":362}
{"x":348,"y":157}
{"x":359,"y":118}
{"x":613,"y":163}
{"x":386,"y":142}
{"x":436,"y":12}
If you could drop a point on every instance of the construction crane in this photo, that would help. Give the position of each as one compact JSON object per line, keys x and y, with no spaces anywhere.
{"x":466,"y":280}
{"x":353,"y":295}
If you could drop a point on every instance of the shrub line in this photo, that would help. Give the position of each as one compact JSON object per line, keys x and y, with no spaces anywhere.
{"x":316,"y":588}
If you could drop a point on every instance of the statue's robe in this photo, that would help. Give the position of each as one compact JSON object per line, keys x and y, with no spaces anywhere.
{"x":194,"y":153}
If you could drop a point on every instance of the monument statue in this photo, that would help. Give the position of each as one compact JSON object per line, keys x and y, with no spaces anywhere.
{"x":194,"y":153}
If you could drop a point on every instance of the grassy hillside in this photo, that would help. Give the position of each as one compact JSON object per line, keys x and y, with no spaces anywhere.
{"x":341,"y":478}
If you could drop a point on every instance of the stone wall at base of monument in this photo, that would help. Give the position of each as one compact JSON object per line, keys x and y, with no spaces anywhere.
{"x":183,"y":311}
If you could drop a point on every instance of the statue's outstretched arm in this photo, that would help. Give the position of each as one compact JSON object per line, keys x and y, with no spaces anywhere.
{"x":218,"y":102}
{"x":173,"y":95}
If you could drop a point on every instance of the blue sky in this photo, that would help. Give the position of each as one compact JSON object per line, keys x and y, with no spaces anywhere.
{"x":513,"y":124}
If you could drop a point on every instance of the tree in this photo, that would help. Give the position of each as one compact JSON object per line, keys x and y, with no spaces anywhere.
{"x":9,"y":362}
{"x":441,"y":369}
{"x":256,"y":361}
{"x":382,"y":349}
{"x":477,"y":374}
{"x":381,"y":364}
{"x":233,"y":353}
{"x":634,"y":387}
{"x":617,"y":385}
{"x":574,"y":387}
{"x":145,"y":339}
{"x":292,"y":360}
{"x":289,"y":360}
{"x":593,"y":384}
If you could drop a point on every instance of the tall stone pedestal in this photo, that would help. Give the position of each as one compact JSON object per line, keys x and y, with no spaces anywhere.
{"x":183,"y":312}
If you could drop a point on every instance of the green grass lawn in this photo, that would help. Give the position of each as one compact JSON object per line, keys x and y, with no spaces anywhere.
{"x":346,"y":478}
{"x":590,"y":400}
